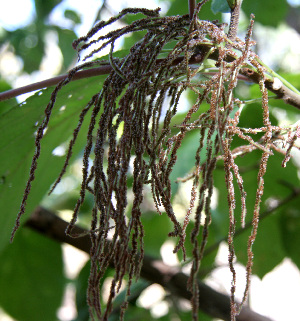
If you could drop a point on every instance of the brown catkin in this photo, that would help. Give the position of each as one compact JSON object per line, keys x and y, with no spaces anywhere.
{"x":132,"y":141}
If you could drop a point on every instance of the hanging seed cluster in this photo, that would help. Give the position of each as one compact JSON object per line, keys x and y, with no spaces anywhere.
{"x":130,"y":125}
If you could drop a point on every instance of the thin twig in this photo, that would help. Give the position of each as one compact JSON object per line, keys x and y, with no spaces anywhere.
{"x":54,"y":81}
{"x":282,"y":92}
{"x":192,"y":5}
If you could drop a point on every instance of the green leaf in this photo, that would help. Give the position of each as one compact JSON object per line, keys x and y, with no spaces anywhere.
{"x":292,"y":113}
{"x":72,"y":15}
{"x":268,"y":248}
{"x":81,"y":284}
{"x":135,"y":291}
{"x":135,"y":313}
{"x":29,"y":44}
{"x":31,"y":277}
{"x":207,"y":262}
{"x":156,"y":229}
{"x":43,"y":8}
{"x":179,"y":7}
{"x":232,"y":3}
{"x":206,"y":13}
{"x":18,"y":126}
{"x":130,"y":41}
{"x":290,"y":229}
{"x":267,"y":12}
{"x":186,"y":158}
{"x":220,"y":6}
{"x":186,"y":153}
{"x":65,"y":39}
{"x":6,"y":105}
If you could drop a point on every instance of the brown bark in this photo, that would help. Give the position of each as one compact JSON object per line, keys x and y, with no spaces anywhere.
{"x":192,"y":6}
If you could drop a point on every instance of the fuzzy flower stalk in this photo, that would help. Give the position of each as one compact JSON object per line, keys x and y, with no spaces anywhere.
{"x":133,"y":142}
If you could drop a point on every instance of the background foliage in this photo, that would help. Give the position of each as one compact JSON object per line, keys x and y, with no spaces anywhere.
{"x":32,"y":267}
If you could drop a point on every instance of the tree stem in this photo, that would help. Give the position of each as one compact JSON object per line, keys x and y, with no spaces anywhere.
{"x":103,"y":70}
{"x":192,"y":6}
{"x":282,"y":92}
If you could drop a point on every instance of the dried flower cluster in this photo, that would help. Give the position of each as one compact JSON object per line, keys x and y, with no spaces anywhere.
{"x":131,"y":124}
